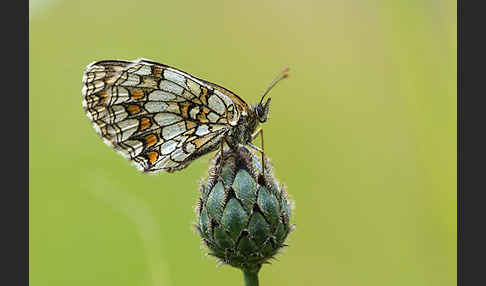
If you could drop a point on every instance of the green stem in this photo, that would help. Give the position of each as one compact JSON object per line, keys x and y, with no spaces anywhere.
{"x":251,"y":276}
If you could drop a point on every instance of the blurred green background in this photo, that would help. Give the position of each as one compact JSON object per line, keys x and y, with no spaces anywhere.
{"x":363,"y":134}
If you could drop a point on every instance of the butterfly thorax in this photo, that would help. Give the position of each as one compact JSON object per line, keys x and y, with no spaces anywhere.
{"x":241,"y":133}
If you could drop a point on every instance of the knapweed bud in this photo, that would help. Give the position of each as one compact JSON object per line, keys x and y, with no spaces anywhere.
{"x":242,"y":216}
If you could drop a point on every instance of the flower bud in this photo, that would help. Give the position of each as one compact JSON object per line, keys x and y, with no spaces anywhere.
{"x":242,"y":215}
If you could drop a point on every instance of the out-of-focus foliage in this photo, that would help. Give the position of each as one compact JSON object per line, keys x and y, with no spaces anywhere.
{"x":363,"y":134}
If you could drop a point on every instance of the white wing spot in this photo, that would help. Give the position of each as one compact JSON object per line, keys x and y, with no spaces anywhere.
{"x":213,"y":117}
{"x":128,"y":127}
{"x":172,"y":131}
{"x":120,"y":93}
{"x":187,"y":95}
{"x":217,"y":104}
{"x":168,"y":147}
{"x":190,"y":147}
{"x":144,"y":70}
{"x":225,"y":98}
{"x":164,"y":119}
{"x":175,"y":77}
{"x":179,"y":155}
{"x":194,"y":87}
{"x":202,"y":130}
{"x":155,"y":106}
{"x":174,"y":108}
{"x":132,"y":80}
{"x":170,"y":87}
{"x":159,"y":95}
{"x":116,"y":113}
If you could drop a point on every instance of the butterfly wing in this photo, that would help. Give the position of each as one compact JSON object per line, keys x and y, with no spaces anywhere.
{"x":159,"y":117}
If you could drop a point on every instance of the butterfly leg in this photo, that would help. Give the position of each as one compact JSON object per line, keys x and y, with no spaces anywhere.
{"x":220,"y":167}
{"x":262,"y":149}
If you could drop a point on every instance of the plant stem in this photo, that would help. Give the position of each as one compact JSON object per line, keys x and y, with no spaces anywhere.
{"x":251,"y":276}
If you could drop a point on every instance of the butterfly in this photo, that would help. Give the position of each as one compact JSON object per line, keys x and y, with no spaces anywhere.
{"x":162,"y":118}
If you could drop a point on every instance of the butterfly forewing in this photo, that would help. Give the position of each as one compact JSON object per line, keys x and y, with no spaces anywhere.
{"x":159,"y":117}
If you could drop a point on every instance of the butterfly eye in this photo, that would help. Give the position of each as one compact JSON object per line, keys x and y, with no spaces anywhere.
{"x":261,"y":114}
{"x":259,"y":110}
{"x":262,"y":111}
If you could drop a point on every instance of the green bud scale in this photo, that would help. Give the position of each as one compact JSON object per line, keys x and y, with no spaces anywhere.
{"x":242,"y":215}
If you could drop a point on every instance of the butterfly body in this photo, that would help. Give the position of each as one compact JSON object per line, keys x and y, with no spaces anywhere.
{"x":162,"y":118}
{"x":243,"y":131}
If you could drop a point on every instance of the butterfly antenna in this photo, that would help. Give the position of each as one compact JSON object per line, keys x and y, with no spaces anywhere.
{"x":283,"y":74}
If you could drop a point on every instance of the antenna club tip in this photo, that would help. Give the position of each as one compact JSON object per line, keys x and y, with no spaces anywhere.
{"x":285,"y":72}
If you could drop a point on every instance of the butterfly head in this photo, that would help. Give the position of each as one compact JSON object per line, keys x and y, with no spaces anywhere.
{"x":261,"y":108}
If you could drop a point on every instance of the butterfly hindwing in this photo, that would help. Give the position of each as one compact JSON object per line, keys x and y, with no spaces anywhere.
{"x":157,"y":116}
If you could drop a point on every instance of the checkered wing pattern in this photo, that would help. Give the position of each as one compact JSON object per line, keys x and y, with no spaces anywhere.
{"x":157,"y":116}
